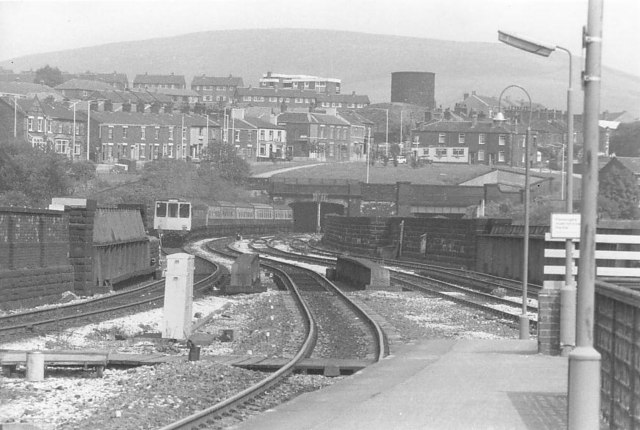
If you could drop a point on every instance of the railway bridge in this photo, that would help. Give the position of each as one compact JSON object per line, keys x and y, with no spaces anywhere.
{"x":313,"y":199}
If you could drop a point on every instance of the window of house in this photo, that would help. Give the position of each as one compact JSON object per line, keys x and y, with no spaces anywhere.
{"x":461,"y":137}
{"x":30,"y":123}
{"x":237,"y":135}
{"x":297,"y":100}
{"x":170,"y":150}
{"x":442,"y":137}
{"x":273,"y":99}
{"x":49,"y":126}
{"x":143,"y":148}
{"x":77,"y":150}
{"x":481,"y":155}
{"x":501,"y":156}
{"x":143,"y":132}
{"x":279,"y":136}
{"x":524,"y":141}
{"x":110,"y":133}
{"x":502,"y":139}
{"x":125,"y":131}
{"x":458,"y":152}
{"x":158,"y":133}
{"x":246,"y":98}
{"x":322,"y":132}
{"x":263,"y":150}
{"x":441,"y":152}
{"x":270,"y":134}
{"x":39,"y":124}
{"x":262,"y":135}
{"x":171,"y":133}
{"x":61,"y":146}
{"x":331,"y":132}
{"x":77,"y":130}
{"x":482,"y":139}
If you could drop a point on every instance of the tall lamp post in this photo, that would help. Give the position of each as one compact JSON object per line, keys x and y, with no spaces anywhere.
{"x":524,"y":317}
{"x":568,"y":291}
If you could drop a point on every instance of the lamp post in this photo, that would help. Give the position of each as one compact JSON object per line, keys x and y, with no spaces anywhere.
{"x":568,"y":291}
{"x":89,"y":125}
{"x":584,"y":360}
{"x":524,"y":317}
{"x":73,"y":134}
{"x":15,"y":116}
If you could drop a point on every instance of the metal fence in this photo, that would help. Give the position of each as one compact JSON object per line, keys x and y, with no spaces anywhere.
{"x":617,"y":338}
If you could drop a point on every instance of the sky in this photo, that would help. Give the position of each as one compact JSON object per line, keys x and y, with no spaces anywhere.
{"x":30,"y":27}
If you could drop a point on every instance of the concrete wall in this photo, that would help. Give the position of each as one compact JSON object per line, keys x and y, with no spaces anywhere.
{"x":34,"y":256}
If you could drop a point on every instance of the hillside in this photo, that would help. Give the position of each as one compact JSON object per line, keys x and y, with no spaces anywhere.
{"x":364,"y":62}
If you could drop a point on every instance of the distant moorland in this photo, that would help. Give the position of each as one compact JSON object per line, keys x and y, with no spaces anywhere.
{"x":364,"y":62}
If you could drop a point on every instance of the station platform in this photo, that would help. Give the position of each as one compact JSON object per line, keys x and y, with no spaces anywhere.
{"x":440,"y":385}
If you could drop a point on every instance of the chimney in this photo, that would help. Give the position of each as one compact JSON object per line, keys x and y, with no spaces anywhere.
{"x":473,"y":93}
{"x":465,"y":96}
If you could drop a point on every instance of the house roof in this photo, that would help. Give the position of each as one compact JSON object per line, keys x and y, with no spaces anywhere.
{"x":110,"y":78}
{"x":465,"y":127}
{"x":343,"y":98}
{"x":231,"y":81}
{"x":272,"y":92}
{"x":27,"y":88}
{"x":294,"y":117}
{"x":631,"y":163}
{"x":84,"y":85}
{"x":176,"y":92}
{"x":59,"y":111}
{"x":328,"y":119}
{"x":260,"y":123}
{"x":354,"y":118}
{"x":155,"y":119}
{"x":159,"y":79}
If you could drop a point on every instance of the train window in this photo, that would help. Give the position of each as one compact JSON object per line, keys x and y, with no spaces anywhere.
{"x":185,"y":210}
{"x":161,"y":209}
{"x":173,"y":210}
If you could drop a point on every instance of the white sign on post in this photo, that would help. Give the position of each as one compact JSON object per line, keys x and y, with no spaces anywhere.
{"x":565,"y":226}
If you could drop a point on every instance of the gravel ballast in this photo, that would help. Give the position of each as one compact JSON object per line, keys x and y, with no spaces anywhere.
{"x":149,"y":397}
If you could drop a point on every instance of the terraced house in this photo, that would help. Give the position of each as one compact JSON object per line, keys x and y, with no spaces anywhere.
{"x":143,"y":137}
{"x":471,"y":142}
{"x":46,"y":125}
{"x":275,"y":98}
{"x":216,"y":91}
{"x":258,"y":139}
{"x":153,"y":82}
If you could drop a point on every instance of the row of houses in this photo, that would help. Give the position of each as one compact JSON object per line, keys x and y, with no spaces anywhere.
{"x":110,"y":137}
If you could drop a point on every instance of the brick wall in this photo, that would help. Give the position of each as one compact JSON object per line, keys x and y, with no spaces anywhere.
{"x":549,"y":321}
{"x":34,"y":262}
{"x":448,"y":241}
{"x":81,"y":245}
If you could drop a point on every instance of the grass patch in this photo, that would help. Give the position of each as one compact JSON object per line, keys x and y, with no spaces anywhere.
{"x":434,"y":174}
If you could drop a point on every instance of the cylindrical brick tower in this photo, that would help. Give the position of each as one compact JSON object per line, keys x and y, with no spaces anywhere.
{"x":417,"y":88}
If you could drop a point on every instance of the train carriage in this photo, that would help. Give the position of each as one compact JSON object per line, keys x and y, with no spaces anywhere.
{"x":172,"y":215}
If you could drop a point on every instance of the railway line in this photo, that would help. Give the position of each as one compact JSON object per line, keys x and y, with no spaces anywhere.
{"x":330,"y":332}
{"x":472,"y":289}
{"x":148,"y":294}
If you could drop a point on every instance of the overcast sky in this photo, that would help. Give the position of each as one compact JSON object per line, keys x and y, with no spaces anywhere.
{"x":29,"y":27}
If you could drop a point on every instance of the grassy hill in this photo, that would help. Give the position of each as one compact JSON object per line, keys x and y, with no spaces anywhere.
{"x":363,"y":61}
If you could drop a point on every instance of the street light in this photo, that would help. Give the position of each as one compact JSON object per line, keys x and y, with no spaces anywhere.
{"x":568,"y":291}
{"x":73,"y":134}
{"x":89,"y":125}
{"x":524,"y":318}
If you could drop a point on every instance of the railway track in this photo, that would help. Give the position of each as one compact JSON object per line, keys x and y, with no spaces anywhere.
{"x":471,"y":289}
{"x":151,"y":293}
{"x":312,"y":295}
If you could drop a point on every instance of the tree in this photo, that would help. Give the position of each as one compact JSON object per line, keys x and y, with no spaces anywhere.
{"x":625,"y":141}
{"x":50,"y":76}
{"x":618,"y":194}
{"x":36,"y":174}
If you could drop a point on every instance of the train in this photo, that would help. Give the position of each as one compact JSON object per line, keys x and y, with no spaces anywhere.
{"x":176,"y":218}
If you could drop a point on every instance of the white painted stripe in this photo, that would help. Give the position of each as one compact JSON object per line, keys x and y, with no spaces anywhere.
{"x":600,"y":254}
{"x":603,"y":238}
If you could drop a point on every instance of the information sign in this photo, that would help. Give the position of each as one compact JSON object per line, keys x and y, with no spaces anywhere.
{"x":565,"y":226}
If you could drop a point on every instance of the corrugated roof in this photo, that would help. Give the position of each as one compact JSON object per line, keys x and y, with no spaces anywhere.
{"x":117,"y":226}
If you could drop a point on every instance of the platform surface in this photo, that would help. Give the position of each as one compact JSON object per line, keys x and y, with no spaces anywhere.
{"x":437,"y":384}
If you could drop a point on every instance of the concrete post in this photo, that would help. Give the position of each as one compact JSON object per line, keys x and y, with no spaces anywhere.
{"x":35,"y":366}
{"x":178,"y":296}
{"x":584,"y":360}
